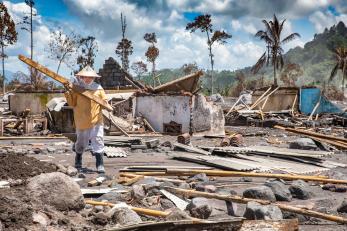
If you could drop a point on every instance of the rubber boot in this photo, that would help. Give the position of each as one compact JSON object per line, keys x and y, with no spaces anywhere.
{"x":99,"y":162}
{"x":78,"y":161}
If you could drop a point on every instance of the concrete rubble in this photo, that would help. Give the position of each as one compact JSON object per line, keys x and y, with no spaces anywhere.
{"x":243,"y":162}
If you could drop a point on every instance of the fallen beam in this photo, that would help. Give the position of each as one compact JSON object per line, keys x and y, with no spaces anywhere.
{"x":243,"y":200}
{"x":220,"y":173}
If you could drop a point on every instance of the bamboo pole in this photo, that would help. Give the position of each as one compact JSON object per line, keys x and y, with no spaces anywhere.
{"x":256,"y":104}
{"x":231,"y":109}
{"x":161,"y":179}
{"x":242,"y":200}
{"x":261,"y":97}
{"x":221,"y":173}
{"x":315,"y":134}
{"x":149,"y":212}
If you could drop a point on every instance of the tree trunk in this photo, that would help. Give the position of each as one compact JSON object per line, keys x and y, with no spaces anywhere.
{"x":59,"y":66}
{"x":3,"y":70}
{"x":211,"y":59}
{"x":153,"y":73}
{"x":33,"y":81}
{"x":275,"y":79}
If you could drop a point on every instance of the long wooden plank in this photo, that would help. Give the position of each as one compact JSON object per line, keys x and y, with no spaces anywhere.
{"x":243,"y":200}
{"x":65,"y":81}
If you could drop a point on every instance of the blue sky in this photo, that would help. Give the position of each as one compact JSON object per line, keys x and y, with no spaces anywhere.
{"x":100,"y":18}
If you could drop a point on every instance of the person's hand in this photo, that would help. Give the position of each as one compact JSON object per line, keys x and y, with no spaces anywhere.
{"x":68,"y":85}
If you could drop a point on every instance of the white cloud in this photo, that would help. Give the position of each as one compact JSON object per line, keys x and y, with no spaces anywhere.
{"x":236,"y":25}
{"x":322,"y":20}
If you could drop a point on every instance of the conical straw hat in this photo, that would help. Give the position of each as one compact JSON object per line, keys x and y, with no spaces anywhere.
{"x":88,"y":72}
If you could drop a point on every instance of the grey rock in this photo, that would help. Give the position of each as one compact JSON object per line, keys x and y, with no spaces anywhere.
{"x":205,"y":188}
{"x":289,"y":215}
{"x":166,"y":204}
{"x":116,"y":197}
{"x":246,"y":179}
{"x":304,"y":144}
{"x":40,"y":218}
{"x":280,"y":190}
{"x":61,"y":168}
{"x":300,"y":189}
{"x":198,"y":177}
{"x":147,"y":180}
{"x":177,"y":215}
{"x":255,"y":211}
{"x":71,"y":171}
{"x":199,"y":207}
{"x":227,"y":192}
{"x":56,"y":189}
{"x":260,"y":192}
{"x":100,"y":218}
{"x":51,"y":149}
{"x":98,"y":208}
{"x":343,"y":207}
{"x":138,"y":192}
{"x":125,"y":216}
{"x":184,"y":185}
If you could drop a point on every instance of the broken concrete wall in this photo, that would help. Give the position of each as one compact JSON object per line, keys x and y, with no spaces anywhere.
{"x":207,"y":118}
{"x":162,"y":109}
{"x":194,"y":113}
{"x":35,"y":101}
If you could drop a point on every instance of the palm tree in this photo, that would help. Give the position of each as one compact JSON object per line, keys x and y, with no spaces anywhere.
{"x":341,"y":64}
{"x":272,"y":38}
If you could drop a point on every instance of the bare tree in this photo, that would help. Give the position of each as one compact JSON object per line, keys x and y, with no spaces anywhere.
{"x":124,"y":48}
{"x":152,"y":52}
{"x":189,"y":68}
{"x":272,"y":37}
{"x":28,"y":24}
{"x":88,"y":49}
{"x":139,"y":68}
{"x":204,"y":24}
{"x":8,"y":36}
{"x":62,"y":47}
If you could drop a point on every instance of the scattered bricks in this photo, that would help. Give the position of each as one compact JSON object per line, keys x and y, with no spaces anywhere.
{"x":125,"y":216}
{"x":260,"y":192}
{"x":199,"y":207}
{"x":152,"y":143}
{"x":300,"y":189}
{"x":255,"y":211}
{"x":280,"y":190}
{"x":343,"y":207}
{"x":93,"y":183}
{"x":184,"y":139}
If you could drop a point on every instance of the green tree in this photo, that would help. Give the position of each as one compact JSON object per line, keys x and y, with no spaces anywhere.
{"x":272,"y":38}
{"x":8,"y":36}
{"x":204,"y":24}
{"x":152,"y":52}
{"x":340,"y":54}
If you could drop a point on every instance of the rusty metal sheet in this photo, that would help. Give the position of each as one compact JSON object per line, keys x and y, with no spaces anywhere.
{"x":187,"y":83}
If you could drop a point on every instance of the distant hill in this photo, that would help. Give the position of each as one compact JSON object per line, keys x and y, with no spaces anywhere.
{"x":316,"y":59}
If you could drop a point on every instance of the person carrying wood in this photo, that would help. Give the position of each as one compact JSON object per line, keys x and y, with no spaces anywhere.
{"x":88,"y":117}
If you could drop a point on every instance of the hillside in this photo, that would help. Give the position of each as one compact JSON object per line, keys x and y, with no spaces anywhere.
{"x":316,"y":59}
